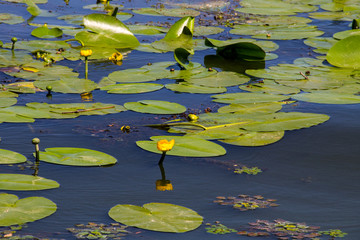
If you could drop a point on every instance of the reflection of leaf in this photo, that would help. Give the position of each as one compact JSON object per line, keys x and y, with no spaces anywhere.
{"x":21,"y":182}
{"x":76,"y":157}
{"x":162,"y":217}
{"x":107,"y":31}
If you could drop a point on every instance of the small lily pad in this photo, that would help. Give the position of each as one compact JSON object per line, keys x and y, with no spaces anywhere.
{"x":162,"y":217}
{"x":45,"y":32}
{"x":20,"y":211}
{"x":10,"y":157}
{"x":185,"y":146}
{"x":76,"y":157}
{"x":9,"y":18}
{"x":155,"y":107}
{"x":22,"y":182}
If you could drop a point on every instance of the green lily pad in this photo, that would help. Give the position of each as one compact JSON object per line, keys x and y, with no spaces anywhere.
{"x":185,"y":146}
{"x":248,"y":108}
{"x":106,"y":31}
{"x":9,"y":18}
{"x":345,"y":53}
{"x":10,"y":157}
{"x":220,"y":79}
{"x":255,"y":139}
{"x":14,"y":118}
{"x":147,"y":30}
{"x":204,"y":31}
{"x":162,"y":217}
{"x":269,"y":86}
{"x":171,"y":12}
{"x":191,"y":88}
{"x":7,"y":94}
{"x":22,"y":182}
{"x":155,"y":107}
{"x":328,"y":97}
{"x":244,"y":97}
{"x":322,"y":45}
{"x":45,"y":32}
{"x":68,"y":85}
{"x":6,"y":102}
{"x":131,"y":88}
{"x":285,"y":121}
{"x":345,"y":34}
{"x":76,"y":157}
{"x":333,"y":16}
{"x":19,"y":211}
{"x":181,"y":56}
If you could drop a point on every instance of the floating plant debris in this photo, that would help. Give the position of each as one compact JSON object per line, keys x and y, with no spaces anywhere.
{"x":218,"y":228}
{"x":99,"y":231}
{"x":249,"y":171}
{"x":246,"y":202}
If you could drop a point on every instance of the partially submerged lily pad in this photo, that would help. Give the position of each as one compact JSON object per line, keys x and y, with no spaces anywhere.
{"x":20,"y":211}
{"x":162,"y":217}
{"x":21,"y":182}
{"x":76,"y":157}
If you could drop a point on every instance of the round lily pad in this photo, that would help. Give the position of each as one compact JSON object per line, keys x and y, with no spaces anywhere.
{"x":22,"y":182}
{"x":185,"y":146}
{"x":17,"y":211}
{"x":155,"y":107}
{"x":345,"y":53}
{"x":76,"y":157}
{"x":162,"y":217}
{"x":10,"y":157}
{"x":9,"y":18}
{"x":45,"y":32}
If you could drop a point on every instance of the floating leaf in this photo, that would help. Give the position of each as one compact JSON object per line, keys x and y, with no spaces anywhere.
{"x":269,"y":86}
{"x":191,"y":88}
{"x":345,"y":34}
{"x":107,"y":31}
{"x":248,"y":108}
{"x":21,"y":182}
{"x":12,"y":117}
{"x":9,"y":18}
{"x":68,"y":85}
{"x":185,"y":146}
{"x":20,"y":211}
{"x":10,"y":157}
{"x":45,"y":32}
{"x":220,"y":79}
{"x":181,"y":56}
{"x":76,"y":157}
{"x":6,"y":102}
{"x":171,"y":12}
{"x":155,"y":107}
{"x":243,"y":97}
{"x":328,"y":97}
{"x":131,"y":88}
{"x":254,"y":139}
{"x":204,"y":31}
{"x":162,"y":217}
{"x":345,"y":53}
{"x":147,"y":30}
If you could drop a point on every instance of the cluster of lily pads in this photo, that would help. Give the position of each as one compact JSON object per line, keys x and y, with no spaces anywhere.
{"x":245,"y":202}
{"x":252,"y":116}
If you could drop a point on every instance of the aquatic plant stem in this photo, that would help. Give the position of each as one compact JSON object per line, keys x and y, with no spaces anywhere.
{"x":162,"y":158}
{"x":86,"y":67}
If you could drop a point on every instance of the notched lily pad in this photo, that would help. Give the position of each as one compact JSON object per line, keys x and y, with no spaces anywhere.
{"x":162,"y":217}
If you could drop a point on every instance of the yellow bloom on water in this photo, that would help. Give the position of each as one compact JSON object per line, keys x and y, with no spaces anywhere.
{"x":164,"y":185}
{"x":86,"y":52}
{"x":165,"y":145}
{"x":116,"y":57}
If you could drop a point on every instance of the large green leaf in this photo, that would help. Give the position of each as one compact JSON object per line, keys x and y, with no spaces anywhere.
{"x":162,"y":217}
{"x":254,"y":139}
{"x":345,"y":53}
{"x":68,"y":85}
{"x":244,"y":50}
{"x":15,"y":211}
{"x":219,"y":79}
{"x":10,"y":157}
{"x":185,"y":146}
{"x":45,"y":32}
{"x":76,"y":157}
{"x":248,"y":108}
{"x":21,"y":182}
{"x":6,"y":102}
{"x":155,"y":107}
{"x":328,"y":97}
{"x":107,"y":31}
{"x":192,"y":88}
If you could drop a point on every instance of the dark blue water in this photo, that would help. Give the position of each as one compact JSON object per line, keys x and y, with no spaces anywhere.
{"x":313,"y":173}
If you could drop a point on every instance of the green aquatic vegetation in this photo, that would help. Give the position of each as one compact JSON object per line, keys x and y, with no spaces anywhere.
{"x":247,"y":170}
{"x":11,"y":157}
{"x":218,"y":228}
{"x":245,"y":202}
{"x":9,"y":18}
{"x":24,"y":210}
{"x":93,"y":230}
{"x":345,"y":53}
{"x":162,"y":217}
{"x":334,"y":233}
{"x":45,"y":32}
{"x":131,"y":88}
{"x":155,"y":107}
{"x":21,"y":182}
{"x":171,"y":12}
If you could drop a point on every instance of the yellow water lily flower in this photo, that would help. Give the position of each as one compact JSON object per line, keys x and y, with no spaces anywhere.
{"x":86,"y":52}
{"x":165,"y":145}
{"x":163,"y":185}
{"x":116,"y":57}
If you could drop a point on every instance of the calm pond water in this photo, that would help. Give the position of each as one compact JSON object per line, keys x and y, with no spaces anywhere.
{"x":313,"y":173}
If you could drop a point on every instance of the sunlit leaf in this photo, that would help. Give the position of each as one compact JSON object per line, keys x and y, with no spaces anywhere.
{"x":45,"y":32}
{"x":20,"y":211}
{"x":191,"y":88}
{"x":171,"y":12}
{"x":220,"y":79}
{"x":162,"y":217}
{"x":6,"y":102}
{"x":204,"y":31}
{"x":22,"y":182}
{"x":11,"y":157}
{"x":68,"y":85}
{"x":328,"y":97}
{"x":185,"y":146}
{"x":244,"y":97}
{"x":254,"y":139}
{"x":131,"y":88}
{"x":269,"y":86}
{"x":248,"y":108}
{"x":345,"y":53}
{"x":347,"y":33}
{"x":76,"y":157}
{"x":155,"y":107}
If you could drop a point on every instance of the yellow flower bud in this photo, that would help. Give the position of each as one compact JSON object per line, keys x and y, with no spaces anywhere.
{"x":86,"y":52}
{"x":165,"y":145}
